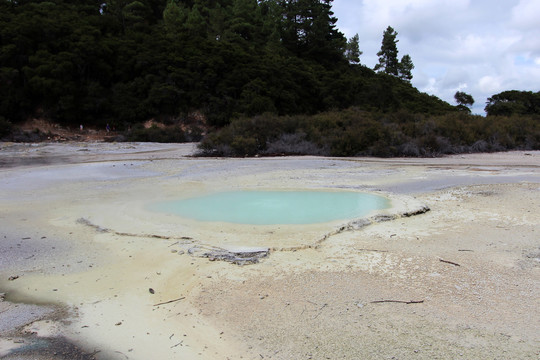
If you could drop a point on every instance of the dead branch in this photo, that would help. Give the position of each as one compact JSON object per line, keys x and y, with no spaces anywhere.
{"x":374,"y":250}
{"x":170,"y":301}
{"x":119,"y":352}
{"x":449,"y":262}
{"x":398,"y":301}
{"x":93,"y":353}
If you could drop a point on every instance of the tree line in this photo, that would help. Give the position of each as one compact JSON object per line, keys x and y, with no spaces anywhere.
{"x":277,"y":67}
{"x":126,"y":61}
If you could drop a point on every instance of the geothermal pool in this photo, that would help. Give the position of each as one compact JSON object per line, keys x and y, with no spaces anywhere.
{"x":275,"y":207}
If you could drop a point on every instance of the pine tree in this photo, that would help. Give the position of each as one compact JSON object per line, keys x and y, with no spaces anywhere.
{"x":174,"y":17}
{"x":308,"y":29}
{"x":352,"y":50}
{"x":195,"y":23}
{"x":405,"y":68}
{"x":246,"y":19}
{"x":388,"y":55}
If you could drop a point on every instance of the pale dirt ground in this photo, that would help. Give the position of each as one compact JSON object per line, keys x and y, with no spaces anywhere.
{"x":86,"y":250}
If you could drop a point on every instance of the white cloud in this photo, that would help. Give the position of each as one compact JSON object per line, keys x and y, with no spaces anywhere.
{"x":483,"y":46}
{"x":525,"y":15}
{"x":489,"y":84}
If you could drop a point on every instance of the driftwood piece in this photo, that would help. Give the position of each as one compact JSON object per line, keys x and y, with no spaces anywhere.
{"x":449,"y":262}
{"x":170,"y":301}
{"x":398,"y":301}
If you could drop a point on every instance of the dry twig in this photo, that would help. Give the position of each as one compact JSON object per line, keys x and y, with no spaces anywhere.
{"x":449,"y":262}
{"x":398,"y":301}
{"x":170,"y":301}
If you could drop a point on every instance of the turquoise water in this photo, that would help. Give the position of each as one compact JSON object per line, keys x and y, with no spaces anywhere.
{"x":275,"y":207}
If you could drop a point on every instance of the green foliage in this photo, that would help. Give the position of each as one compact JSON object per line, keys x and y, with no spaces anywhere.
{"x":174,"y":17}
{"x":352,"y":50}
{"x":514,"y":102}
{"x":126,"y":61}
{"x":354,"y":132}
{"x":308,"y":30}
{"x":156,"y":134}
{"x":5,"y":127}
{"x":388,"y":58}
{"x":463,"y":98}
{"x":388,"y":55}
{"x":405,"y":68}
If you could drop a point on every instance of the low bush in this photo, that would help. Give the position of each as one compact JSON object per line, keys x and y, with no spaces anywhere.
{"x":354,"y":132}
{"x":169,"y":134}
{"x":5,"y":127}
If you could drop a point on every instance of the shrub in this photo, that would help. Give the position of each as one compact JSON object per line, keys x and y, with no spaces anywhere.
{"x":293,"y":144}
{"x":353,"y":132}
{"x":156,"y":134}
{"x":5,"y":127}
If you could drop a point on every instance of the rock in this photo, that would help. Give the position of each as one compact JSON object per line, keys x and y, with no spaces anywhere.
{"x":14,"y":277}
{"x":243,"y":257}
{"x":422,"y":210}
{"x":193,"y":250}
{"x":384,"y":217}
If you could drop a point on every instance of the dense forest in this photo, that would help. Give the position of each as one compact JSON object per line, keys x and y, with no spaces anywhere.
{"x":122,"y":62}
{"x":275,"y":64}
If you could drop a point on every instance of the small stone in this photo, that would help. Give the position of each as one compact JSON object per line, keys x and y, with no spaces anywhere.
{"x":151,"y":291}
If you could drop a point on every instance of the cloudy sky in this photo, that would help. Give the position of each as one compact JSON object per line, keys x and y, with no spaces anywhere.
{"x":481,"y":47}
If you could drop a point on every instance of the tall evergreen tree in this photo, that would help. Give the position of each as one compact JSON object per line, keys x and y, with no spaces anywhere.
{"x":246,"y":20}
{"x":405,"y":68}
{"x":352,"y":50}
{"x":174,"y":17}
{"x":126,"y":61}
{"x":388,"y":55}
{"x":308,"y":29}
